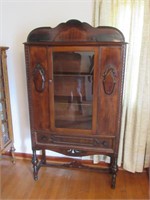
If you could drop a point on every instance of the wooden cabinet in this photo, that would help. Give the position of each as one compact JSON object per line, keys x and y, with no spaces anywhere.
{"x":75,"y":82}
{"x":6,"y":131}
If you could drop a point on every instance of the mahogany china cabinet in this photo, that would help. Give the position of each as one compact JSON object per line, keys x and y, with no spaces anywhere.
{"x":6,"y":131}
{"x":75,"y":78}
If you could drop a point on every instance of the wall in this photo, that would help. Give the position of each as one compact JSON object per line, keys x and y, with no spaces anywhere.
{"x":17,"y":19}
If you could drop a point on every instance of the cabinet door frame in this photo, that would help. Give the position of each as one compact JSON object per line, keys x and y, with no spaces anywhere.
{"x":51,"y":89}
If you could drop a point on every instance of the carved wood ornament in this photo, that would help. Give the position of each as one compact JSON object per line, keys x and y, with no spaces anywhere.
{"x":109,"y":80}
{"x":39,"y":78}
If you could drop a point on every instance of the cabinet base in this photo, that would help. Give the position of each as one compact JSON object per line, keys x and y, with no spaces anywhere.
{"x":37,"y":164}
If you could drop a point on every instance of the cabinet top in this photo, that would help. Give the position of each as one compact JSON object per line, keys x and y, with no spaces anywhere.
{"x":75,"y":31}
{"x":3,"y":48}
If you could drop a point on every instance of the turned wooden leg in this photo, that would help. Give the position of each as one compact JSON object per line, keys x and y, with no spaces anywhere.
{"x":43,"y":160}
{"x":12,"y":150}
{"x":35,"y":165}
{"x":114,"y":170}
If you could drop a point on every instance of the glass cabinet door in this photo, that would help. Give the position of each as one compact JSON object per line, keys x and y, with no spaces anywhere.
{"x":73,"y":89}
{"x":3,"y":112}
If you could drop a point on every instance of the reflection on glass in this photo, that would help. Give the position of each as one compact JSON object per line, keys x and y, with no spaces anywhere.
{"x":73,"y":89}
{"x":5,"y":133}
{"x":2,"y":111}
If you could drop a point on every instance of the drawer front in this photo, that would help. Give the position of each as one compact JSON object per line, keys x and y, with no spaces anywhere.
{"x":97,"y":142}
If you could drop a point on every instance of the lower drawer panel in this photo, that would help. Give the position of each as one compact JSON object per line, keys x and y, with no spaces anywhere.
{"x":98,"y":142}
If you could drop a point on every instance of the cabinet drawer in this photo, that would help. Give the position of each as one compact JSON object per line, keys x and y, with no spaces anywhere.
{"x":106,"y":143}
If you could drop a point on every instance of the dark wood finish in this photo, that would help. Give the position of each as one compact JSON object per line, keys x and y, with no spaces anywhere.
{"x":74,"y":30}
{"x":75,"y":82}
{"x":62,"y":183}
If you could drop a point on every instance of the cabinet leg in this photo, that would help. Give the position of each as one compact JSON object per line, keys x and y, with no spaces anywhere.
{"x":114,"y":170}
{"x":35,"y":165}
{"x":12,"y":150}
{"x":43,"y":160}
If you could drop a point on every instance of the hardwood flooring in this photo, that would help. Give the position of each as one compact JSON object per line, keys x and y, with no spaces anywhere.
{"x":57,"y":183}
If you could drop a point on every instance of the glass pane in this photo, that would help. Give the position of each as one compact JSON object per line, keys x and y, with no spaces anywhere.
{"x":1,"y":94}
{"x":73,"y":89}
{"x":1,"y":72}
{"x":3,"y":110}
{"x":1,"y":90}
{"x":3,"y":115}
{"x":5,"y":133}
{"x":2,"y":106}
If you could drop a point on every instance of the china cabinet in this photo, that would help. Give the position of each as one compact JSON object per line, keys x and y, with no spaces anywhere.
{"x":75,"y":84}
{"x":6,"y":131}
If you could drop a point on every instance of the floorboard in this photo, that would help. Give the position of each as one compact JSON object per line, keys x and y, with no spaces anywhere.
{"x":57,"y":183}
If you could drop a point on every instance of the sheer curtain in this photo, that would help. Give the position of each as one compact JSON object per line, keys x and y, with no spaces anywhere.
{"x":132,"y":18}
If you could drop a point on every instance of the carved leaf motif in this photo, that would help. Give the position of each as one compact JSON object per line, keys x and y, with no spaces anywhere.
{"x":109,"y":81}
{"x":39,"y":78}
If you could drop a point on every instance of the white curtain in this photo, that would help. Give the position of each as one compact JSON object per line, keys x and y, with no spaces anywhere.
{"x":132,"y":17}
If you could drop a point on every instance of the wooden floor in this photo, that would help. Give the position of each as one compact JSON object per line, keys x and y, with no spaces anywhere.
{"x":57,"y":183}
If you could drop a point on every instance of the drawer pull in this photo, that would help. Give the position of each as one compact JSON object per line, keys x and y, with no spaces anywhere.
{"x":105,"y":144}
{"x":44,"y":138}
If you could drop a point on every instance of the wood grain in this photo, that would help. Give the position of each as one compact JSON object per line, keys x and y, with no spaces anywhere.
{"x":55,"y":183}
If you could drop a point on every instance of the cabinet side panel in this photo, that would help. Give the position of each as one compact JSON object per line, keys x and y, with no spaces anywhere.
{"x":38,"y":88}
{"x":110,"y":87}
